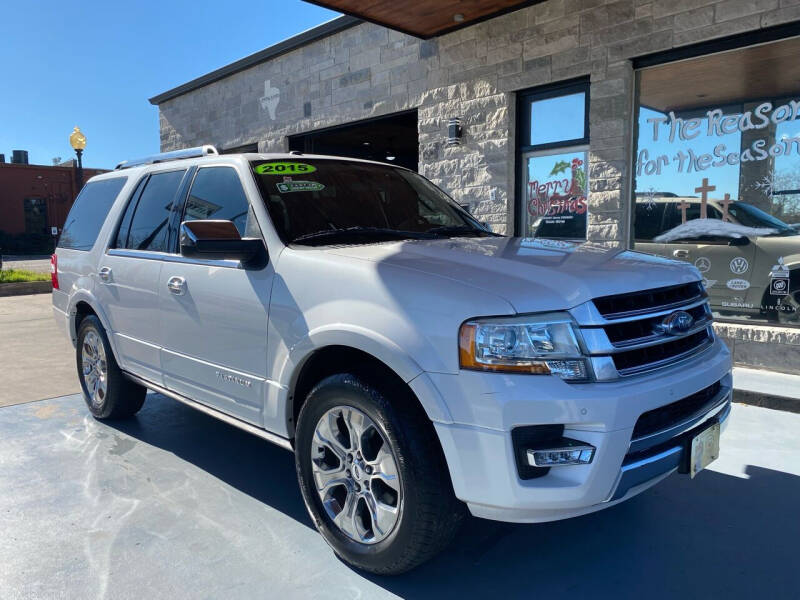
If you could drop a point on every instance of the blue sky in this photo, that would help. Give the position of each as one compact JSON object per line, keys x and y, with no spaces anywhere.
{"x":94,"y":64}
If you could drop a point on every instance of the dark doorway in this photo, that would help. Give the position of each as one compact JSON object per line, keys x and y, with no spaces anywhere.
{"x":391,"y":139}
{"x":35,"y":215}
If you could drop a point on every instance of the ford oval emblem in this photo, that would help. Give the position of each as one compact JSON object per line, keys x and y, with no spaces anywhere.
{"x":677,"y":323}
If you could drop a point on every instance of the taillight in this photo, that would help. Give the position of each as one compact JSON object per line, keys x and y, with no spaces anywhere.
{"x":54,"y":271}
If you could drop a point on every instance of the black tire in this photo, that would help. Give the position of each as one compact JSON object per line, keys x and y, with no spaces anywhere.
{"x":429,"y":513}
{"x":122,"y":398}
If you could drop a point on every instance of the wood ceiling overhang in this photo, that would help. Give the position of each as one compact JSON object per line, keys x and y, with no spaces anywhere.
{"x":424,"y":18}
{"x":766,"y":71}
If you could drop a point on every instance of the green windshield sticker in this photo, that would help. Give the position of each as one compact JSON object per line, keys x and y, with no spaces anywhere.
{"x":299,"y":186}
{"x":284,"y":168}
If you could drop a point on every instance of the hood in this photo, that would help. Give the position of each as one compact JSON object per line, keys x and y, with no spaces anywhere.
{"x":531,"y":274}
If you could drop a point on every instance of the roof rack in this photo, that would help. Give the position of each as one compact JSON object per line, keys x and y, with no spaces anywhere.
{"x":168,"y":156}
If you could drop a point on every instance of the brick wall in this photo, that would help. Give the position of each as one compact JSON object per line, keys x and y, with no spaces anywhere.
{"x":473,"y":73}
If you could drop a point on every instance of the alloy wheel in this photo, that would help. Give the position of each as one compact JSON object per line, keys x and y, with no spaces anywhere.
{"x":95,"y":368}
{"x":355,"y":474}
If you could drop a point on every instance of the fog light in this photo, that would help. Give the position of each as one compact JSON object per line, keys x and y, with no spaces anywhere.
{"x":572,"y":452}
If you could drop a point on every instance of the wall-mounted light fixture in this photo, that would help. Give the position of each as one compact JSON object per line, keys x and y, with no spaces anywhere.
{"x":454,"y":132}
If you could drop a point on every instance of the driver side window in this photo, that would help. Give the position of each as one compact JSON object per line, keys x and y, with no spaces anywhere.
{"x":217,"y":193}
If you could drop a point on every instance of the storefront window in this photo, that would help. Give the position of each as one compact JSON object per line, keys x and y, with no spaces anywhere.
{"x":554,"y":141}
{"x":717,"y":176}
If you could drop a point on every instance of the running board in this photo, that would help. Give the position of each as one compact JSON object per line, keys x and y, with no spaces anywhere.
{"x":225,"y":418}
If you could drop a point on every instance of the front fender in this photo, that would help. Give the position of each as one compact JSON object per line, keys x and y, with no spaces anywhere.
{"x":278,"y":408}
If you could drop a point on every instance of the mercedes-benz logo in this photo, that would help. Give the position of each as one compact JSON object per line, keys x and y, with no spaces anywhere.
{"x":676,"y":323}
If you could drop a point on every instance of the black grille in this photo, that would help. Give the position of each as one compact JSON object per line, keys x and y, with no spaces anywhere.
{"x":642,"y":357}
{"x":648,"y":300}
{"x":665,"y":417}
{"x":642,"y":328}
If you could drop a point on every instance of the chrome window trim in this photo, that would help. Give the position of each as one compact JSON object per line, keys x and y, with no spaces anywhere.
{"x":172,"y":258}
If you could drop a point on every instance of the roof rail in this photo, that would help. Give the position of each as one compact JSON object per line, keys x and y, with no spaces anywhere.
{"x":168,"y":156}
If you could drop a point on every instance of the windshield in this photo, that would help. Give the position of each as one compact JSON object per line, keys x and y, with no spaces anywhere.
{"x":323,"y":201}
{"x":750,"y":216}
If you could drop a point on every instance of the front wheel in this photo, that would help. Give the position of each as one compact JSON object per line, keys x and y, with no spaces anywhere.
{"x":373,"y":477}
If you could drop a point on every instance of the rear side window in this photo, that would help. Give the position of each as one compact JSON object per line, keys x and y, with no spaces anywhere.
{"x":89,"y":212}
{"x":217,"y":193}
{"x":149,"y":223}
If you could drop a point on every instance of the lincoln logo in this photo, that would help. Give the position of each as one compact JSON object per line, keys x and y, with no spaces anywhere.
{"x":677,"y":323}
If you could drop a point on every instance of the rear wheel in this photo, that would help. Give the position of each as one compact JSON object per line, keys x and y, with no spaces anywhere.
{"x":373,"y":477}
{"x":107,"y":392}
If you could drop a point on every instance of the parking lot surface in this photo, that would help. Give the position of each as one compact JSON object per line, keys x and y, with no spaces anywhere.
{"x":38,"y":360}
{"x":36,"y":263}
{"x":174,"y":504}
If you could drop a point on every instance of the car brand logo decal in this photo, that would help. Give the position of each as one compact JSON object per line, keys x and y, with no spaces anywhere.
{"x":677,"y":323}
{"x":703,"y":264}
{"x":738,"y":284}
{"x":709,"y":283}
{"x":739,"y":265}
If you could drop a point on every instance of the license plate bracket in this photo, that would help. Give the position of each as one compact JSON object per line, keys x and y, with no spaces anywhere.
{"x":703,"y":449}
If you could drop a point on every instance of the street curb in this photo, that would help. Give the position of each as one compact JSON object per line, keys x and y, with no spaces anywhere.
{"x":23,"y":288}
{"x":767,"y":401}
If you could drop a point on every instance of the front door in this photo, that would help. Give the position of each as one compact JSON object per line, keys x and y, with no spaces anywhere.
{"x":214,"y":313}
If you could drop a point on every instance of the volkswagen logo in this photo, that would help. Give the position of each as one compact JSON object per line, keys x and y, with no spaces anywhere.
{"x":677,"y":323}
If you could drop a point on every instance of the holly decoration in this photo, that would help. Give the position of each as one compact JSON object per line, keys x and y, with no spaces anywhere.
{"x":560,"y":167}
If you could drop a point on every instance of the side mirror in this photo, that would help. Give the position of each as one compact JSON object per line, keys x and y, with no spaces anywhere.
{"x":740,"y":241}
{"x":219,"y":240}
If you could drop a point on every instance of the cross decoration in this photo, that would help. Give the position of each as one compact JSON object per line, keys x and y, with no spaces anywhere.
{"x":703,"y":190}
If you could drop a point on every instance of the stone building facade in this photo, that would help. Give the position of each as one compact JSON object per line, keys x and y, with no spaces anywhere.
{"x":355,"y":70}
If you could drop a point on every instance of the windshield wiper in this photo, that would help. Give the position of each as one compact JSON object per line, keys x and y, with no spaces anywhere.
{"x":363,"y":232}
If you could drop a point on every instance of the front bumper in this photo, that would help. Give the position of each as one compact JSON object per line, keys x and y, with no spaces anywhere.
{"x":485,"y":407}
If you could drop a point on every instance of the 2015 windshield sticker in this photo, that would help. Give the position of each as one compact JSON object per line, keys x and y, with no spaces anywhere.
{"x":299,"y":186}
{"x":284,"y":168}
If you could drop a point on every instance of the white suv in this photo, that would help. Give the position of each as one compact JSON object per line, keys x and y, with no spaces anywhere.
{"x":418,"y":365}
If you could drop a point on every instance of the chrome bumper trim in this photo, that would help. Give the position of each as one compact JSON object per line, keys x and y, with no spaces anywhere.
{"x":721,"y":402}
{"x":643,"y":470}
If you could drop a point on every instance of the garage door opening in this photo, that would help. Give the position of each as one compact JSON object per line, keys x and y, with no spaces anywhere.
{"x":391,"y":139}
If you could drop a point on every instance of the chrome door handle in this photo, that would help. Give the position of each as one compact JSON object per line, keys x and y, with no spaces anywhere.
{"x":177,"y":285}
{"x":104,"y":274}
{"x":680,"y":253}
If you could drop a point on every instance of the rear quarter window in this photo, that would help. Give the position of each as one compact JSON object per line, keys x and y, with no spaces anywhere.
{"x":89,"y":212}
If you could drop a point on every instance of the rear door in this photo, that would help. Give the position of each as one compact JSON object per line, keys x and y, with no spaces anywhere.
{"x":129,"y":273}
{"x":214,"y":315}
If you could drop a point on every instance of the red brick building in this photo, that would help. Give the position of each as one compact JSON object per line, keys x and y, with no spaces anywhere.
{"x":33,"y":199}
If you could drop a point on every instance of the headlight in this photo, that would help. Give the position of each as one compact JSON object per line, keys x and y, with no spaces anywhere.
{"x":540,"y":344}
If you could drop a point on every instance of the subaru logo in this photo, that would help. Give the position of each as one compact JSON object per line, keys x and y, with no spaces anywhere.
{"x":677,"y":323}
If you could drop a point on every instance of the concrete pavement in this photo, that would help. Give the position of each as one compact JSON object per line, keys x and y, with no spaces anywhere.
{"x":37,"y":359}
{"x":174,"y":504}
